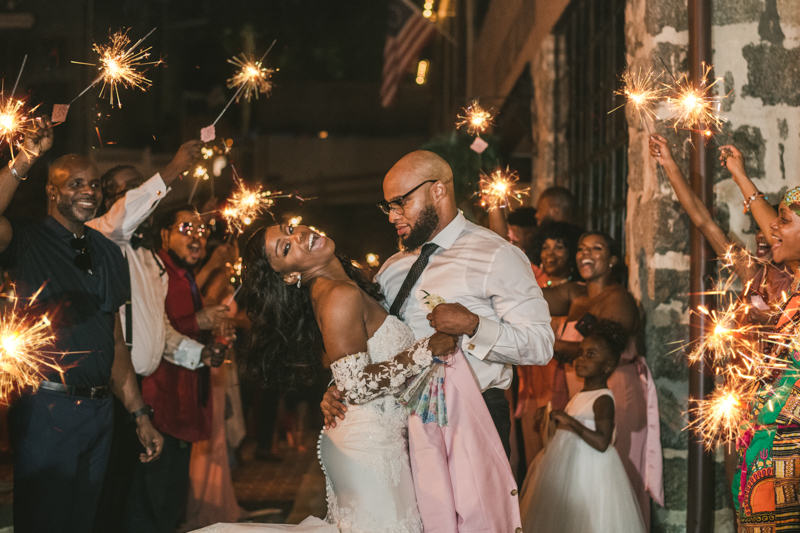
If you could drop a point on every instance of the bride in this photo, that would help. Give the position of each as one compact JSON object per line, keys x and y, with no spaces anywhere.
{"x":310,"y":308}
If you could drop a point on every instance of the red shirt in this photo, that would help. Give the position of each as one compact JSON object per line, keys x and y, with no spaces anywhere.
{"x":174,"y":391}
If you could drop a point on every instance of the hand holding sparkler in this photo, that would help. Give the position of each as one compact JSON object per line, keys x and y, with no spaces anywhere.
{"x":731,"y":158}
{"x":187,"y":155}
{"x":661,"y":151}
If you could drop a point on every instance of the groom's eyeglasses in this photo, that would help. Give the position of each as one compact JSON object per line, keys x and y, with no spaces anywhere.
{"x":396,"y":204}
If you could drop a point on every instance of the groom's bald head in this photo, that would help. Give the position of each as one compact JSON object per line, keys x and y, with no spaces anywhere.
{"x":429,"y":208}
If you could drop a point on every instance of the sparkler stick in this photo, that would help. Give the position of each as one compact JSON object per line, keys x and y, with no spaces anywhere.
{"x":248,"y":75}
{"x":119,"y":66}
{"x":24,"y":59}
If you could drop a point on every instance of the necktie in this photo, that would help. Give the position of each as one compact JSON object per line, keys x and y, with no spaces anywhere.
{"x":412,"y":277}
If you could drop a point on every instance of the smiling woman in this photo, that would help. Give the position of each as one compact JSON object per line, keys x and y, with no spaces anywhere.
{"x":765,"y":480}
{"x":309,"y":306}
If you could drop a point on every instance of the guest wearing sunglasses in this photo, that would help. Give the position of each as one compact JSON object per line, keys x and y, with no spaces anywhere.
{"x":128,"y":205}
{"x":179,"y":395}
{"x":62,"y":432}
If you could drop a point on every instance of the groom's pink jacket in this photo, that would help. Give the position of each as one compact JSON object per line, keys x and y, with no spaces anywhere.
{"x":461,"y":473}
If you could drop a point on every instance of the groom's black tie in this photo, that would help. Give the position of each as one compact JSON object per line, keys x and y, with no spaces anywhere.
{"x":412,"y":277}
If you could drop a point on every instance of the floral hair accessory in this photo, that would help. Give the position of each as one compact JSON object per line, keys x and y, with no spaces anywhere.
{"x":791,"y":198}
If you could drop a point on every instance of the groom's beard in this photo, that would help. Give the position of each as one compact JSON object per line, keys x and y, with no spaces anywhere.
{"x":420,"y":232}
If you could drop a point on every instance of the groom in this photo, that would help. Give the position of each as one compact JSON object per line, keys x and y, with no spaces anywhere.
{"x":461,"y":473}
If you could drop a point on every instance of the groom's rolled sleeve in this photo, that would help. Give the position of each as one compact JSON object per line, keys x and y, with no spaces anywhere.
{"x":522,"y":335}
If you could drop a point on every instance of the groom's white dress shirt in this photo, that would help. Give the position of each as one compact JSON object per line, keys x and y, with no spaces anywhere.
{"x":492,"y":278}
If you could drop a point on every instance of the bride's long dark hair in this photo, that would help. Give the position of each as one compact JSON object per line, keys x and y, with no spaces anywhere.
{"x":284,"y":347}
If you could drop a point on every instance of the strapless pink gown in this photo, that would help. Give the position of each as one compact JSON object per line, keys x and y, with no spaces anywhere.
{"x":636,"y":419}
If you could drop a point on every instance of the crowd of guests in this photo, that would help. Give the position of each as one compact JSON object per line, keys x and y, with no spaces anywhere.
{"x":129,"y":433}
{"x":135,"y":431}
{"x":582,"y":276}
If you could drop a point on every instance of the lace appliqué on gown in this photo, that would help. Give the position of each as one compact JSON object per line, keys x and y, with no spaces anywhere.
{"x":365,"y":458}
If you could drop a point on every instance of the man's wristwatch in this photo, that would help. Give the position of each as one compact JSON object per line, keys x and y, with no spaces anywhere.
{"x":146,"y":410}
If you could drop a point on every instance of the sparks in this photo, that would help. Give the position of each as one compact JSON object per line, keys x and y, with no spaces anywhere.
{"x":642,"y":91}
{"x":15,"y":116}
{"x":121,"y":65}
{"x":697,"y":108}
{"x":246,"y":204}
{"x":252,"y":78}
{"x":24,"y":338}
{"x":475,"y":118}
{"x":498,"y":189}
{"x":719,"y":417}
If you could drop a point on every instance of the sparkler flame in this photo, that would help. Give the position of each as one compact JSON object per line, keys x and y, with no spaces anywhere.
{"x":697,"y":108}
{"x":15,"y":117}
{"x":24,"y":337}
{"x":642,"y":91}
{"x":740,"y":353}
{"x":251,"y":79}
{"x":246,"y":205}
{"x":498,"y":189}
{"x":475,"y":118}
{"x":121,"y":65}
{"x":720,"y":416}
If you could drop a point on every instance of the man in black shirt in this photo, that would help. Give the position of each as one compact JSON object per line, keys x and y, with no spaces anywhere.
{"x":61,"y":434}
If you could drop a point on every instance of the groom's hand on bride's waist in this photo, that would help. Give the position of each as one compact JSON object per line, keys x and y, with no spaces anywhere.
{"x":332,"y":408}
{"x":454,"y":319}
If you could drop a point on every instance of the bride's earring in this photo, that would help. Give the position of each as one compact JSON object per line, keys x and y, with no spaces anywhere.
{"x":298,"y":281}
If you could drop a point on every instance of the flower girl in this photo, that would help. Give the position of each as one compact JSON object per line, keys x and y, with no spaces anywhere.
{"x":577,"y":484}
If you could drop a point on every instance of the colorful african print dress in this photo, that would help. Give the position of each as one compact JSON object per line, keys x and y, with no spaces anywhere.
{"x":765,"y":487}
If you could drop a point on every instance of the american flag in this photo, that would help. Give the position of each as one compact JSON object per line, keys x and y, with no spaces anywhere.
{"x":409,"y":32}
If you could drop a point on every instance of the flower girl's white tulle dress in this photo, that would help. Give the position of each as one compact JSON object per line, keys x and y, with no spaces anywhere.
{"x":573,"y":488}
{"x":365,"y":457}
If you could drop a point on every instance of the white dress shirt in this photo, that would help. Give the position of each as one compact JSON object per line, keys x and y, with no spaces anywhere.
{"x":492,"y":278}
{"x":153,"y":336}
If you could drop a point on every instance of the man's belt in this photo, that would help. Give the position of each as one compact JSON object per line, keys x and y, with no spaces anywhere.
{"x":94,"y":393}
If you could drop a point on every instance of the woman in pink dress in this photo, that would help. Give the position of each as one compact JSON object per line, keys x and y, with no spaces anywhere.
{"x":556,"y":244}
{"x":637,"y":422}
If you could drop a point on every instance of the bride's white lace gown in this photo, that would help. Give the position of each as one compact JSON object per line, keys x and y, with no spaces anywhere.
{"x":365,"y":457}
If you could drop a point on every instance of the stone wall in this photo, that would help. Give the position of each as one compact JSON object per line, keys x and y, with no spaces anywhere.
{"x":756,"y":50}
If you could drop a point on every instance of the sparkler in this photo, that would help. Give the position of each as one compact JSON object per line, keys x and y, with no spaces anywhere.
{"x":642,"y":91}
{"x":475,"y":118}
{"x":120,"y":65}
{"x":697,"y":108}
{"x":497,"y":190}
{"x":720,"y":416}
{"x":14,"y":115}
{"x":251,"y":76}
{"x":23,"y":340}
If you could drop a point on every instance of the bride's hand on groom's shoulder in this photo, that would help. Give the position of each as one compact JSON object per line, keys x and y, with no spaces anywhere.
{"x":454,"y":319}
{"x":442,"y":345}
{"x":332,"y":407}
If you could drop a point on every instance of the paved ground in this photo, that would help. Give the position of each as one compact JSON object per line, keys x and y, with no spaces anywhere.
{"x":286,"y":490}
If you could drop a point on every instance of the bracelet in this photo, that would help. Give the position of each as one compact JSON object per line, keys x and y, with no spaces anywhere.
{"x":750,"y":200}
{"x":15,"y":173}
